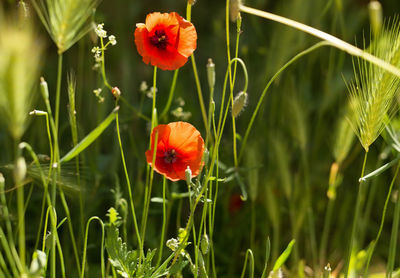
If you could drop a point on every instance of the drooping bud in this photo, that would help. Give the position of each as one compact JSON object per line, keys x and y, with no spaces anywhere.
{"x":375,"y":16}
{"x":116,"y":92}
{"x":239,"y":103}
{"x":211,"y":73}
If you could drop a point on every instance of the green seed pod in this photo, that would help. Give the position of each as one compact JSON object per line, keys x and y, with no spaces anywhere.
{"x":239,"y":103}
{"x":20,"y":170}
{"x":188,"y":174}
{"x":211,"y":73}
{"x":44,"y":88}
{"x":205,"y":244}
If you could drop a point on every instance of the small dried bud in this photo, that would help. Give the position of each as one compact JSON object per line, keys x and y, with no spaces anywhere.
{"x":239,"y":103}
{"x":192,"y":2}
{"x":211,"y":73}
{"x":116,"y":92}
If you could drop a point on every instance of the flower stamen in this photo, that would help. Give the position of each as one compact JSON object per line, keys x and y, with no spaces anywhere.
{"x":170,"y":156}
{"x":159,"y":39}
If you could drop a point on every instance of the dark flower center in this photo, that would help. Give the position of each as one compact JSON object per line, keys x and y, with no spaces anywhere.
{"x":159,"y":40}
{"x":170,"y":156}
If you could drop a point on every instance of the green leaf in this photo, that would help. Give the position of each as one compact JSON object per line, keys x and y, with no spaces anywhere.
{"x":283,"y":257}
{"x":91,"y":137}
{"x":123,"y":260}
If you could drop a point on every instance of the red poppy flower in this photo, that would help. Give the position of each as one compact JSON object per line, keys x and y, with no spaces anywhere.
{"x":165,"y":40}
{"x":179,"y":145}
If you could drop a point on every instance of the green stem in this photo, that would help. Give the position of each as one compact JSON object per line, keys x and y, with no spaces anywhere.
{"x":71,"y":230}
{"x":58,"y":90}
{"x":251,"y":258}
{"x":170,"y":95}
{"x":128,"y":183}
{"x":153,"y":109}
{"x":331,"y":40}
{"x":360,"y":198}
{"x":393,"y":238}
{"x":163,"y":224}
{"x":263,"y":94}
{"x":325,"y":230}
{"x":102,"y":246}
{"x":371,"y":251}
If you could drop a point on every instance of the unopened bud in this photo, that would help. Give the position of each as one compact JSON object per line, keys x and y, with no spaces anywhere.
{"x":192,"y":2}
{"x":188,"y":174}
{"x":20,"y":170}
{"x":327,"y":271}
{"x":205,"y":244}
{"x":38,"y":113}
{"x":239,"y":103}
{"x":44,"y":89}
{"x":116,"y":92}
{"x":211,"y":73}
{"x":375,"y":16}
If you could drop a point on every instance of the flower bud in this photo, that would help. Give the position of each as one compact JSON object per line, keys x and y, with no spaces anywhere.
{"x":116,"y":92}
{"x":239,"y":103}
{"x":20,"y":170}
{"x":375,"y":16}
{"x":211,"y":73}
{"x":205,"y":244}
{"x":188,"y":174}
{"x":192,"y":2}
{"x":44,"y":89}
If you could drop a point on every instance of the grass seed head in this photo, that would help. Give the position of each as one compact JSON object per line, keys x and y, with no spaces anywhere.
{"x":374,"y":90}
{"x":66,"y":21}
{"x":20,"y":61}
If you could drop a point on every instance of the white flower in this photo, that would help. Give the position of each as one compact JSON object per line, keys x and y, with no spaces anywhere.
{"x":97,"y":92}
{"x":100,"y":31}
{"x":97,"y":52}
{"x":112,"y":40}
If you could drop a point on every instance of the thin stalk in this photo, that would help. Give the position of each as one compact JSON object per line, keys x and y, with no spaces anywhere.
{"x":149,"y":185}
{"x":153,"y":117}
{"x":128,"y":183}
{"x":71,"y":230}
{"x":102,"y":246}
{"x":21,"y":216}
{"x":163,"y":224}
{"x":360,"y":197}
{"x":382,"y":222}
{"x":291,"y":61}
{"x":7,"y":251}
{"x":58,"y":90}
{"x":393,"y":237}
{"x":249,"y":254}
{"x":325,"y":231}
{"x":196,"y":75}
{"x":331,"y":40}
{"x":170,"y":95}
